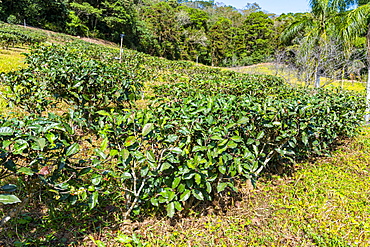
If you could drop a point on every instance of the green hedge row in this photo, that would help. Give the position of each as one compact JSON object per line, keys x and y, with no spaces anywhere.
{"x":191,"y":144}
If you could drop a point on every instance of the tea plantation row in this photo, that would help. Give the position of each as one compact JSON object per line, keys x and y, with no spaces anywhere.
{"x":12,"y":35}
{"x":204,"y":129}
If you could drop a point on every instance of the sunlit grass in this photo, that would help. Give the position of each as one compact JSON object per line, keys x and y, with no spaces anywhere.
{"x":349,"y":85}
{"x":282,"y":71}
{"x":290,"y":76}
{"x":11,"y":59}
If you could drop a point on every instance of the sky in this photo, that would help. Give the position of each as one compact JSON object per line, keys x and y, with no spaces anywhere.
{"x":272,"y":6}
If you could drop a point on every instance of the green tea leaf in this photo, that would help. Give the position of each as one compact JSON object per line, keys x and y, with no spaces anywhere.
{"x":236,"y":139}
{"x":125,"y":154}
{"x":100,"y":153}
{"x":126,"y":175}
{"x":199,"y":148}
{"x":104,"y":144}
{"x":73,"y":149}
{"x":185,"y":195}
{"x":176,"y":182}
{"x":222,"y":169}
{"x":25,"y":171}
{"x":171,"y":138}
{"x":170,"y":209}
{"x":243,"y":120}
{"x":216,"y":137}
{"x":103,"y":113}
{"x":9,"y":199}
{"x":129,"y":141}
{"x":93,"y":199}
{"x":176,"y":150}
{"x":147,"y":128}
{"x":198,"y":194}
{"x":6,"y":131}
{"x":178,"y":205}
{"x":97,"y":180}
{"x":39,"y":144}
{"x":9,"y":188}
{"x":231,"y":144}
{"x":197,"y":178}
{"x":221,"y":187}
{"x":150,"y":156}
{"x":260,"y":135}
{"x":154,"y":201}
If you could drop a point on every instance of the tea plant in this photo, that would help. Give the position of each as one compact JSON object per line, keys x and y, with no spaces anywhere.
{"x":192,"y":149}
{"x":58,"y":74}
{"x":206,"y":129}
{"x":12,"y":35}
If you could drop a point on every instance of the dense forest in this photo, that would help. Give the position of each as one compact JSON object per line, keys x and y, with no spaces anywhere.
{"x":199,"y":31}
{"x":329,"y":41}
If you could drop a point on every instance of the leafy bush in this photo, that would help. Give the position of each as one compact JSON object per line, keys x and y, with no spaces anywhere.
{"x":12,"y":35}
{"x":34,"y":149}
{"x":177,"y":153}
{"x":56,"y":74}
{"x":208,"y":128}
{"x":12,"y":19}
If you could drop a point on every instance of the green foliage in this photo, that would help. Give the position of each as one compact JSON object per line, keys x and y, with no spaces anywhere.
{"x":322,"y":203}
{"x":37,"y":150}
{"x":72,"y":74}
{"x":38,"y":13}
{"x":11,"y":35}
{"x":197,"y":31}
{"x":192,"y":149}
{"x":11,"y":19}
{"x":189,"y":146}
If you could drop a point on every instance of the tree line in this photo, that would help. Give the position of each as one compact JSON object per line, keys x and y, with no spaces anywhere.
{"x":329,"y":41}
{"x":199,"y":31}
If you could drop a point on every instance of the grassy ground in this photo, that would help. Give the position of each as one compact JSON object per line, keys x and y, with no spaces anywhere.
{"x":290,"y":76}
{"x":11,"y":59}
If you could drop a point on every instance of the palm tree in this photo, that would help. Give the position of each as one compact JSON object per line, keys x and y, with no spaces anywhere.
{"x":317,"y":27}
{"x":346,"y":19}
{"x":357,"y":24}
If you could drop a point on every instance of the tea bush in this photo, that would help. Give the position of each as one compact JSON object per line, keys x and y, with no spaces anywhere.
{"x":12,"y":35}
{"x":57,"y":73}
{"x":205,"y":129}
{"x":183,"y":151}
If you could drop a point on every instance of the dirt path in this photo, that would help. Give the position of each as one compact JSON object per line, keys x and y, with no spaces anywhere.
{"x":87,"y":39}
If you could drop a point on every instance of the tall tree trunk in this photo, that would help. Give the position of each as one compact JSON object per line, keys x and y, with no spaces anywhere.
{"x":367,"y":114}
{"x":317,"y":79}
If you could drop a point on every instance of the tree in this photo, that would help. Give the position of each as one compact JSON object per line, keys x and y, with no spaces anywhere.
{"x":357,"y":24}
{"x":316,"y":26}
{"x":87,"y":12}
{"x":48,"y":14}
{"x":160,"y":18}
{"x":257,"y":31}
{"x":220,"y":34}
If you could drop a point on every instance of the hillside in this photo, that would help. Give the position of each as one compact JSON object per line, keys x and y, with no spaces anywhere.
{"x":156,"y":152}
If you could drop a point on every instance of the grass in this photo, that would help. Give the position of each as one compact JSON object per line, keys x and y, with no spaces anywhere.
{"x":290,"y":76}
{"x":11,"y":59}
